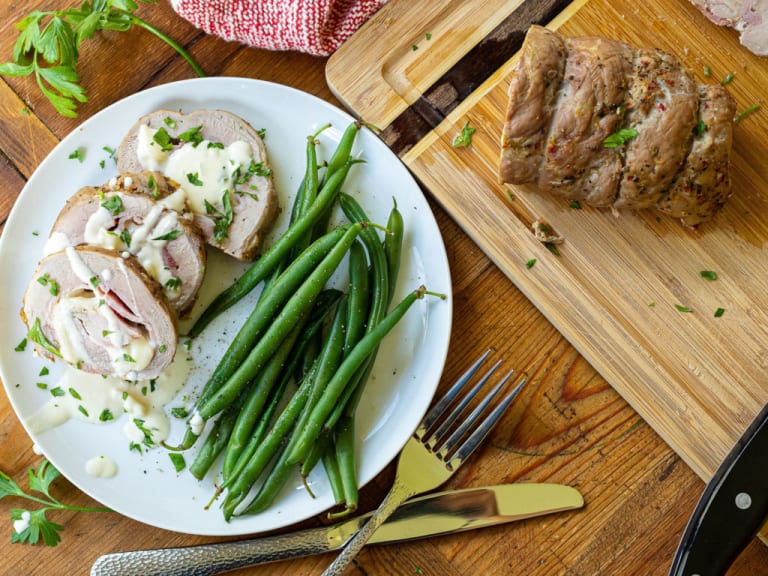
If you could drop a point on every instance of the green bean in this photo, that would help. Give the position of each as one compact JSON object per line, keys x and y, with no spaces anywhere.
{"x":250,"y":411}
{"x":359,"y":292}
{"x":242,"y":482}
{"x":334,"y":476}
{"x":345,"y":460}
{"x":343,"y":375}
{"x":343,"y":149}
{"x":258,"y":320}
{"x":215,"y":442}
{"x":298,"y":305}
{"x":393,"y":246}
{"x":274,"y":254}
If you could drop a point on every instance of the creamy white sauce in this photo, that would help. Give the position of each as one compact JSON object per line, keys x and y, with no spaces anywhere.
{"x":22,"y":523}
{"x":101,"y":467}
{"x":56,"y":242}
{"x":100,"y":400}
{"x":144,"y":240}
{"x":212,"y":167}
{"x":78,"y":265}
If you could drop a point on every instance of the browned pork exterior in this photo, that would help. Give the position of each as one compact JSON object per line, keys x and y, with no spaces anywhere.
{"x":99,"y":312}
{"x":221,"y":163}
{"x":133,"y":214}
{"x":595,"y":120}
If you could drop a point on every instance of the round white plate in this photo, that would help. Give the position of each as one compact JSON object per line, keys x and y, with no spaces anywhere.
{"x":408,"y":367}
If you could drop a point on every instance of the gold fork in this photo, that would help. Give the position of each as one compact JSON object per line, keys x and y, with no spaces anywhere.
{"x":435,"y":451}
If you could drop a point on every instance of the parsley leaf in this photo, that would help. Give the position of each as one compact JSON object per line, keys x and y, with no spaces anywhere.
{"x":221,"y":220}
{"x":464,"y":138}
{"x":113,"y":204}
{"x":29,"y":526}
{"x":48,"y":46}
{"x":619,"y":138}
{"x":172,"y":235}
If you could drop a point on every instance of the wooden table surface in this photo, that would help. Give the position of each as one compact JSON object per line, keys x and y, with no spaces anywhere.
{"x":568,"y":426}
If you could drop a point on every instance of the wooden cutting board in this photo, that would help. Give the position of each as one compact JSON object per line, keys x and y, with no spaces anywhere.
{"x":618,"y":288}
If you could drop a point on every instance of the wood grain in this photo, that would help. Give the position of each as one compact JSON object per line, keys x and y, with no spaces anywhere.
{"x":616,"y":288}
{"x":569,"y":426}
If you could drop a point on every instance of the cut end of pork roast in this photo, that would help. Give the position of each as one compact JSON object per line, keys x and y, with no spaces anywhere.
{"x":134,"y":214}
{"x":221,"y":163}
{"x":749,"y":17}
{"x":100,"y":313}
{"x":594,"y":120}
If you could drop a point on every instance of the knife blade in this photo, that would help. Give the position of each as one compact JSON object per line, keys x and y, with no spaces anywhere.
{"x":731,"y":509}
{"x":438,"y":513}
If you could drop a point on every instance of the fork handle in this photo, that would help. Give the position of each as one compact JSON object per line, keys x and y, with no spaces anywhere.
{"x":397,"y":495}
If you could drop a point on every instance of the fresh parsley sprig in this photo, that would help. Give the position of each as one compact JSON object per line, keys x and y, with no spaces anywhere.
{"x":48,"y":46}
{"x":33,"y":524}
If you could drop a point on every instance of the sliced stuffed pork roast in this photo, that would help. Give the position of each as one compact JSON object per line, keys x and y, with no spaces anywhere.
{"x":595,"y":120}
{"x":134,"y":214}
{"x":99,"y":312}
{"x":221,"y":163}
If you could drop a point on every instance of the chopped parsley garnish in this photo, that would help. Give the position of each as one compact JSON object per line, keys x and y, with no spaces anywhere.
{"x":529,"y":264}
{"x":78,"y":155}
{"x":179,"y":412}
{"x":173,"y":284}
{"x":75,"y":394}
{"x":106,"y":415}
{"x":700,"y":128}
{"x":125,"y":236}
{"x":133,"y":446}
{"x":728,"y":79}
{"x":162,"y":348}
{"x":21,"y":346}
{"x":192,"y":135}
{"x":163,"y":139}
{"x":719,"y":312}
{"x":681,"y":308}
{"x":38,"y":337}
{"x":105,"y":333}
{"x":170,"y":122}
{"x":221,"y":220}
{"x":127,"y":357}
{"x":53,"y":289}
{"x":57,"y":392}
{"x":575,"y":204}
{"x":172,"y":235}
{"x":619,"y":138}
{"x":82,"y":410}
{"x":177,"y":460}
{"x":746,"y":112}
{"x":218,"y":145}
{"x":254,"y":169}
{"x":44,"y":371}
{"x":262,"y":132}
{"x":113,"y":204}
{"x":94,"y":280}
{"x":148,"y":441}
{"x":708,"y":275}
{"x":152,"y":183}
{"x":464,"y":138}
{"x":194,"y":179}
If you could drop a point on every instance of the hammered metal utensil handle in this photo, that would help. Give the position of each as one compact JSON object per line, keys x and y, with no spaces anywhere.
{"x":209,"y":559}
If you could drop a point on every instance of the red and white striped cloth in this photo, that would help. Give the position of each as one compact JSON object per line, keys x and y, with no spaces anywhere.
{"x":313,"y":26}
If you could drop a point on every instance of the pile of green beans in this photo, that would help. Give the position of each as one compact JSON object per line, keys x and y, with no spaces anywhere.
{"x":283,"y":396}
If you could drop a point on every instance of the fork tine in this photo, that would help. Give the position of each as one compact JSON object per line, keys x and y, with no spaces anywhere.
{"x":437,"y":410}
{"x":437,"y":436}
{"x":477,"y":437}
{"x":450,"y":444}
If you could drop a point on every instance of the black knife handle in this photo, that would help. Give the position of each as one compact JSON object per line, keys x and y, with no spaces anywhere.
{"x":731,"y":510}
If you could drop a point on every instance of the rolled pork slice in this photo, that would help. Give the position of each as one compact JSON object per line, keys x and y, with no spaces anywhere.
{"x":703,"y":186}
{"x":662,"y":107}
{"x":221,"y":163}
{"x":577,"y":165}
{"x":100,"y":313}
{"x":123,"y":215}
{"x":533,"y":93}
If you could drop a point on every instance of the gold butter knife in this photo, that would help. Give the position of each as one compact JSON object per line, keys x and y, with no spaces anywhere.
{"x":431,"y":515}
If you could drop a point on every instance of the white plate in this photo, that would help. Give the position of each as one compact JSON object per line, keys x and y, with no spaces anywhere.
{"x":409,"y":365}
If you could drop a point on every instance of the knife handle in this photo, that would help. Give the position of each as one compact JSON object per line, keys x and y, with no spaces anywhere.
{"x":209,"y":559}
{"x":731,"y":509}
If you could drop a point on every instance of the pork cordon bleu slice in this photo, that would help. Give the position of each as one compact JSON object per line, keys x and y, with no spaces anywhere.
{"x":595,"y":120}
{"x":135,"y":214}
{"x":99,"y":312}
{"x":221,"y":163}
